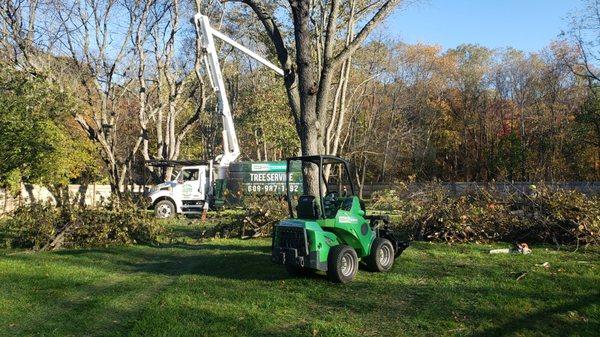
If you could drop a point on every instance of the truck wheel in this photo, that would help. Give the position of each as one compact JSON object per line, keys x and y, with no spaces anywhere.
{"x":342,"y":264}
{"x":381,"y":257}
{"x":164,"y":209}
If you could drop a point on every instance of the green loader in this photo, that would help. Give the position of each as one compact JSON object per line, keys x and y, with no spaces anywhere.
{"x":331,"y":231}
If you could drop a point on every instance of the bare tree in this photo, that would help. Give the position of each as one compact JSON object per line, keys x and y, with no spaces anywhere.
{"x":126,"y":60}
{"x":84,"y":47}
{"x":171,"y":94}
{"x":18,"y":33}
{"x":308,"y":78}
{"x":97,"y":37}
{"x":584,"y":61}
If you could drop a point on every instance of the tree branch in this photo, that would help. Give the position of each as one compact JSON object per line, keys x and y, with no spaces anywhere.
{"x":273,"y":31}
{"x":330,"y":31}
{"x":270,"y":24}
{"x":381,"y":14}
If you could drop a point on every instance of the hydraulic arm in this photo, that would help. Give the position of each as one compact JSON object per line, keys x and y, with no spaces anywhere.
{"x":231,"y":148}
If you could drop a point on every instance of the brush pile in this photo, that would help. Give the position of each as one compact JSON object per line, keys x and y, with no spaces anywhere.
{"x":539,"y":215}
{"x":44,"y":227}
{"x":257,"y":220}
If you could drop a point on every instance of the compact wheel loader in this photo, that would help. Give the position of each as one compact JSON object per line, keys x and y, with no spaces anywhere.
{"x":330,"y":231}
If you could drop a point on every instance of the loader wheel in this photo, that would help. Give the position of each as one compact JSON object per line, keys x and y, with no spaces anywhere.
{"x":382,"y":255}
{"x":342,"y":264}
{"x":164,"y":209}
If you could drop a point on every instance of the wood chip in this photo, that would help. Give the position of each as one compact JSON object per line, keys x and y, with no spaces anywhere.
{"x":521,"y":276}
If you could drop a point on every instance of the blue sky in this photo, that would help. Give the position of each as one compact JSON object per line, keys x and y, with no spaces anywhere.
{"x":528,"y":25}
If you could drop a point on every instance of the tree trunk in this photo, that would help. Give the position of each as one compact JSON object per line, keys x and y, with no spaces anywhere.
{"x":308,"y":129}
{"x":308,"y":83}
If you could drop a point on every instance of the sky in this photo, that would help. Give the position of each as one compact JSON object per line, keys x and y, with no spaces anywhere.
{"x":528,"y":25}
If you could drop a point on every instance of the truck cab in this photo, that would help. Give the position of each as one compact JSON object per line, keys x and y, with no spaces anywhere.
{"x":185,"y":193}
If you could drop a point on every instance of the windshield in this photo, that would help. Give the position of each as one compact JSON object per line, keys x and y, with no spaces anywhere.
{"x":189,"y":174}
{"x":332,"y":189}
{"x":338,"y":180}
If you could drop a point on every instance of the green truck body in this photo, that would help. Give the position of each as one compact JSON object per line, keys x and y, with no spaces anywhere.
{"x":255,"y":179}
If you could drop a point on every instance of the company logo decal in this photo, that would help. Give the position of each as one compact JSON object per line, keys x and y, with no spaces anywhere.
{"x":186,"y":189}
{"x":262,"y":167}
{"x":345,"y":218}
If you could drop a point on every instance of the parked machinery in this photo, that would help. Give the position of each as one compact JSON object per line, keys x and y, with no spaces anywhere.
{"x":329,"y":230}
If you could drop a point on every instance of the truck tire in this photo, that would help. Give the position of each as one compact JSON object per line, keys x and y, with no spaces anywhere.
{"x":342,"y":264}
{"x":164,"y":209}
{"x":382,"y":255}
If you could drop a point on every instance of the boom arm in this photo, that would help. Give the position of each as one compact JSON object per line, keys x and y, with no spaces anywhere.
{"x":231,"y":148}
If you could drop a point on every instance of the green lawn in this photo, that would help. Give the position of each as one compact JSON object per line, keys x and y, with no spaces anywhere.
{"x":230,"y":288}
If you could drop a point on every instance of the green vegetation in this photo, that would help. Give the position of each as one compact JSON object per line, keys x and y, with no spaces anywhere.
{"x":229,"y":287}
{"x":37,"y":143}
{"x":265,"y":123}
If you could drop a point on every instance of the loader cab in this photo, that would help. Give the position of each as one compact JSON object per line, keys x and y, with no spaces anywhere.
{"x":332,"y":191}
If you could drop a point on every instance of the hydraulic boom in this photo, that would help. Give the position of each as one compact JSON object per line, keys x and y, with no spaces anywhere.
{"x":196,"y":187}
{"x":231,"y":148}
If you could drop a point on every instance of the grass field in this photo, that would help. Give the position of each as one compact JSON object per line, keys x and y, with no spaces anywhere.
{"x":230,"y":288}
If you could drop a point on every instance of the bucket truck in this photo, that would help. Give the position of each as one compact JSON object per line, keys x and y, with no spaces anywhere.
{"x":198,"y":185}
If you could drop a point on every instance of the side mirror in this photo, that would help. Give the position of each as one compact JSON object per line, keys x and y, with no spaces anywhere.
{"x":180,"y":181}
{"x":361,"y":212}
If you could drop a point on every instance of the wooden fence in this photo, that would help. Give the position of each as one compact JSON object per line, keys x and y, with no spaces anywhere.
{"x":90,"y":195}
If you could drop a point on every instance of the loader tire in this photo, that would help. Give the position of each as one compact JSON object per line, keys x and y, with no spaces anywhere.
{"x":382,"y":255}
{"x":342,"y":264}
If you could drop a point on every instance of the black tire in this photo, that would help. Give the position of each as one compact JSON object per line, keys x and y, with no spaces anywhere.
{"x":382,"y":255}
{"x":164,"y":209}
{"x":342,"y":264}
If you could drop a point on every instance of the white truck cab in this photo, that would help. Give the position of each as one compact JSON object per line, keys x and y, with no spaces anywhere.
{"x":185,"y":193}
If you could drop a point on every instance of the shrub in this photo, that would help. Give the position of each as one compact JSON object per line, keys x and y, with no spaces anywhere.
{"x":44,"y":227}
{"x":31,"y":226}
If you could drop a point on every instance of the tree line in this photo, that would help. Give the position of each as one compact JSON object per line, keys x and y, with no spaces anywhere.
{"x":402,"y":111}
{"x":132,"y":87}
